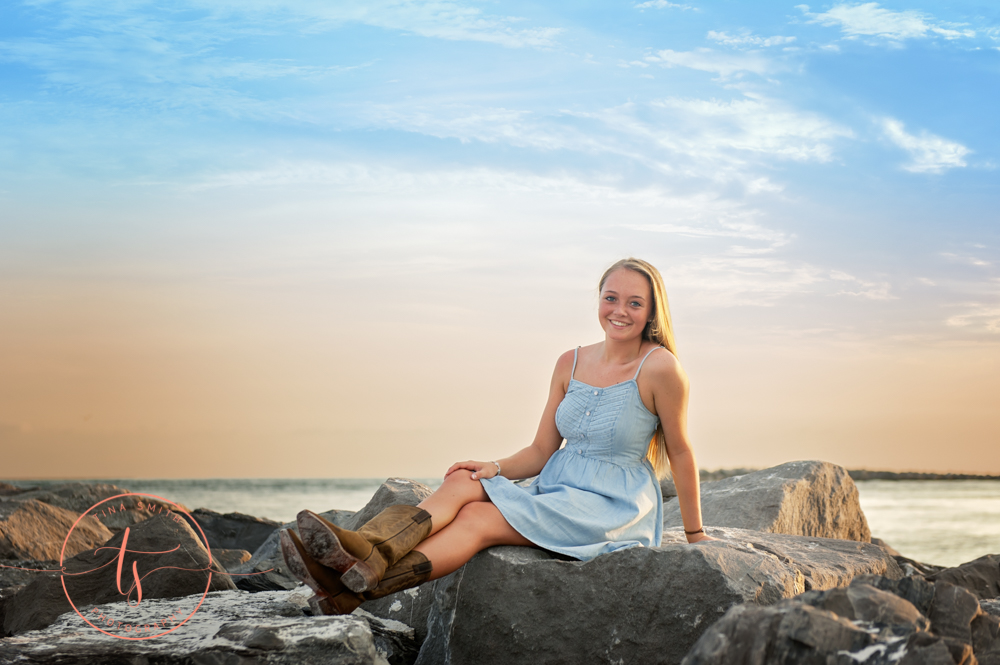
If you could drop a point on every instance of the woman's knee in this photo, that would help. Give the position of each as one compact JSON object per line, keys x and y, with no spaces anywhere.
{"x":461,"y":482}
{"x":482,"y":521}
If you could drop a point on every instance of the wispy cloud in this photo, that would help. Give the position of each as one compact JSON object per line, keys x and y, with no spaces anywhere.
{"x":757,"y":125}
{"x":929,"y":153}
{"x":718,"y":140}
{"x":662,"y":4}
{"x":748,"y":40}
{"x":968,"y":260}
{"x":862,"y":288}
{"x":441,"y":19}
{"x":717,"y":62}
{"x":870,"y":20}
{"x":977,"y":317}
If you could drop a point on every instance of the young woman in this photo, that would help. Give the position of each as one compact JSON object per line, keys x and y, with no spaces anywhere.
{"x":621,"y":406}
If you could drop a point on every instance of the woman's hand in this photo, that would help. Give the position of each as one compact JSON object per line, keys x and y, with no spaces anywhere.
{"x":478,"y":469}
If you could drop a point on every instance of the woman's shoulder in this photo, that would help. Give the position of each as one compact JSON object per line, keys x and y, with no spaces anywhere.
{"x":664,"y":367}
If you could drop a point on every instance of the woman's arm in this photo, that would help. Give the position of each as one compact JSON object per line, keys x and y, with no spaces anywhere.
{"x":529,"y":461}
{"x":670,"y":396}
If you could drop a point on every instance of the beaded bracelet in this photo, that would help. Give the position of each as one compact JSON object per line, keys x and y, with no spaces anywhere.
{"x":691,"y":533}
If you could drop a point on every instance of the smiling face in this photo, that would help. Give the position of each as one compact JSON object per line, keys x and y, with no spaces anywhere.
{"x":626,"y":305}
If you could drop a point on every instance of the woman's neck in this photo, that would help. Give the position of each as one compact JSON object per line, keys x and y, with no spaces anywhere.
{"x":616,"y":352}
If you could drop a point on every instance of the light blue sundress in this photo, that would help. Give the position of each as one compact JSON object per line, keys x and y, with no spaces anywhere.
{"x":598,"y":493}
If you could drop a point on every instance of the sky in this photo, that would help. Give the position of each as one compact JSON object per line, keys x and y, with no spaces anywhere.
{"x":312,"y":239}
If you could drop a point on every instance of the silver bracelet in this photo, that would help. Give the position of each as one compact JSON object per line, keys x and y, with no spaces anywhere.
{"x":498,"y":466}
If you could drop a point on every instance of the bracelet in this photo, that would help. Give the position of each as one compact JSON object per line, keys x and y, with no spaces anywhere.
{"x":691,"y":533}
{"x":498,"y":466}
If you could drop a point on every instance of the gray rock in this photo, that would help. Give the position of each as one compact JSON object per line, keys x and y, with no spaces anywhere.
{"x":958,"y":632}
{"x":18,"y":572}
{"x":230,"y":627}
{"x":986,"y":639}
{"x":863,"y":602}
{"x":980,"y":576}
{"x":952,"y":612}
{"x":800,"y":630}
{"x":394,"y":491}
{"x":915,"y":590}
{"x":234,"y":530}
{"x":230,"y":559}
{"x":178,"y":569}
{"x":410,"y":607}
{"x":32,"y":529}
{"x":788,"y":633}
{"x":809,"y":498}
{"x":667,"y":488}
{"x":512,"y":604}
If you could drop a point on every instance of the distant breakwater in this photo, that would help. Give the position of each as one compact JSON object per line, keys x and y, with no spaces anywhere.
{"x":859,"y":474}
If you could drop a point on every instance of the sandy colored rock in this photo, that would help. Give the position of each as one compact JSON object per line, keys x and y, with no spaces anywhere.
{"x":32,"y":529}
{"x":809,"y":498}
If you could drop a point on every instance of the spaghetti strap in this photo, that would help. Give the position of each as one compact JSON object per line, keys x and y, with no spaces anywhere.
{"x":573,"y":371}
{"x":636,"y":377}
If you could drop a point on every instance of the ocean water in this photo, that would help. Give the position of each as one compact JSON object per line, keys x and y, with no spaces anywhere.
{"x":943,"y":522}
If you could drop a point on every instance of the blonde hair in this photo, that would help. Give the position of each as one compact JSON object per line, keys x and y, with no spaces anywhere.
{"x":659,"y":330}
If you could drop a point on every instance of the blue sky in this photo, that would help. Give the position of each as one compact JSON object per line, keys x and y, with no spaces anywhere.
{"x":811,"y":179}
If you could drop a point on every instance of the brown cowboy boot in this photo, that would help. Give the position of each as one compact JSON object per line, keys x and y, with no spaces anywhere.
{"x":364,"y":555}
{"x":332,"y":597}
{"x":412,"y":570}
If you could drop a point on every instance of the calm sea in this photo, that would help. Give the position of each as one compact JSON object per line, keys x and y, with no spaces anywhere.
{"x":944,"y":522}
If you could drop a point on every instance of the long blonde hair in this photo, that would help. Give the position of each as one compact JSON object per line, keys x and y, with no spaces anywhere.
{"x":659,"y":330}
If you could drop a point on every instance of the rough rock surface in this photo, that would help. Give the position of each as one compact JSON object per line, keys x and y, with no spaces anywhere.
{"x":18,"y":572}
{"x":266,"y":570}
{"x":31,"y":529}
{"x":234,"y":531}
{"x":980,"y":576}
{"x":230,"y":559}
{"x":514,"y":604}
{"x":80,"y":497}
{"x":230,"y":627}
{"x":394,"y":491}
{"x":809,"y":498}
{"x":178,"y":569}
{"x":875,"y":620}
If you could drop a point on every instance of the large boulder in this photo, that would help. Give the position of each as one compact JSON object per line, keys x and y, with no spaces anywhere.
{"x":31,"y":529}
{"x":393,"y":492}
{"x":229,"y":628}
{"x":513,"y":604}
{"x":266,"y":570}
{"x":178,"y":568}
{"x":234,"y":531}
{"x":809,"y":498}
{"x":875,"y":620}
{"x":980,"y":576}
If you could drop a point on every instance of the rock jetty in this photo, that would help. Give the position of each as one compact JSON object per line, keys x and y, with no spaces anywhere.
{"x":795,"y":577}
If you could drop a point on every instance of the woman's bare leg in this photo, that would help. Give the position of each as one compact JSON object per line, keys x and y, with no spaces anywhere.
{"x":457,"y":490}
{"x":478,"y":525}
